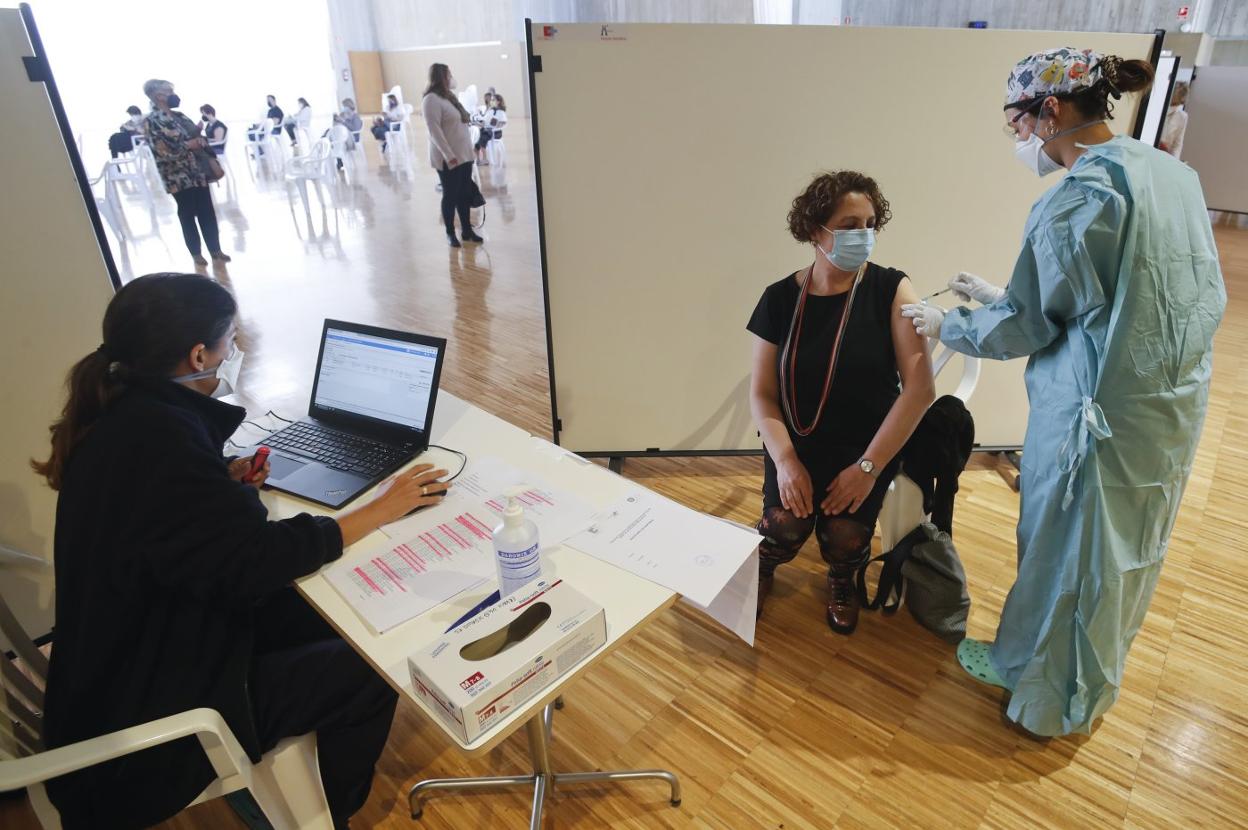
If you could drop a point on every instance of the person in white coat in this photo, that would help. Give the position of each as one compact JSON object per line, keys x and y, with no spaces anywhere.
{"x":1176,"y":122}
{"x":450,"y":150}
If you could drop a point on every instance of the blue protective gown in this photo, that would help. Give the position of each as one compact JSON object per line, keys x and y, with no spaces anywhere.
{"x":1115,"y":297}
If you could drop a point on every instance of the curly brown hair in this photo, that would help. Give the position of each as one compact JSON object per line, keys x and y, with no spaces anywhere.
{"x":814,"y":205}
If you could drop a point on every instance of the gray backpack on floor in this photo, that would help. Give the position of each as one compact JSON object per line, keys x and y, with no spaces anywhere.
{"x":924,"y":569}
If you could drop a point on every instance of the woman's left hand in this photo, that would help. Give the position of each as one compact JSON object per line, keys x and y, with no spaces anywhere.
{"x":848,"y":491}
{"x":240,"y":467}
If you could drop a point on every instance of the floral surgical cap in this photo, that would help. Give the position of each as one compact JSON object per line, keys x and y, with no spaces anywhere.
{"x":1053,"y":72}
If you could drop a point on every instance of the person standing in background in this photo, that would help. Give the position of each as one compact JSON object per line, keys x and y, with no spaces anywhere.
{"x":174,"y":140}
{"x":450,"y":150}
{"x":1176,"y":122}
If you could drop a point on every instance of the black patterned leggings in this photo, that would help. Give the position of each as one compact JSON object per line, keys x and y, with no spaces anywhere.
{"x":843,"y":543}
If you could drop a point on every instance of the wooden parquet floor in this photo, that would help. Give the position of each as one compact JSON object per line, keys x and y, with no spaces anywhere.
{"x":808,"y":729}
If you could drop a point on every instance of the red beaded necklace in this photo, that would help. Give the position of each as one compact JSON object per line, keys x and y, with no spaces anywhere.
{"x":788,"y":357}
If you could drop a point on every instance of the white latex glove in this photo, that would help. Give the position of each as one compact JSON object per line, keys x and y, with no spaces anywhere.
{"x":968,"y":287}
{"x":927,"y":319}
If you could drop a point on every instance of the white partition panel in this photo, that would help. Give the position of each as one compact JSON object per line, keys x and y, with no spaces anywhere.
{"x":669,"y":156}
{"x":1216,"y":142}
{"x":52,"y":300}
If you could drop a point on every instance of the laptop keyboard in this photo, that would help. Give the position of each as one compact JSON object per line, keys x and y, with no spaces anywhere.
{"x":339,"y":450}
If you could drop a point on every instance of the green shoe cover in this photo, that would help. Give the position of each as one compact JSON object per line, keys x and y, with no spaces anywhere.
{"x":973,"y":655}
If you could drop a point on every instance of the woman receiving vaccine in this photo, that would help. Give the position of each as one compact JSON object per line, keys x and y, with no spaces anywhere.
{"x":839,"y":382}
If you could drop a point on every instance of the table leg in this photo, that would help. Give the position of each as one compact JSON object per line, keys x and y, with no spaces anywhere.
{"x":544,"y":778}
{"x":539,"y":800}
{"x":455,"y":784}
{"x":621,"y":775}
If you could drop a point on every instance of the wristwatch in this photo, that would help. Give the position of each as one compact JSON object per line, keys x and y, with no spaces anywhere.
{"x":867,"y":466}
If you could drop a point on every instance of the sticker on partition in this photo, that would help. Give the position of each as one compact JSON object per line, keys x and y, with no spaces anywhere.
{"x":603,"y":32}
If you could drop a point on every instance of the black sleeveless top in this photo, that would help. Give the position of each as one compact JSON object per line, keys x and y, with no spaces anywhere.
{"x":866,"y":382}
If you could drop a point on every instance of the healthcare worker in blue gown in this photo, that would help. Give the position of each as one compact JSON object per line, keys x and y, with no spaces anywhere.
{"x":1114,"y":301}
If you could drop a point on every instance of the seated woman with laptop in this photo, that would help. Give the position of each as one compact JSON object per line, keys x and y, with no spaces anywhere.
{"x":172,"y":583}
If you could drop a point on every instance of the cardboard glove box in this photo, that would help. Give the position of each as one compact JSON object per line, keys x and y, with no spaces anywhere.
{"x":475,"y":674}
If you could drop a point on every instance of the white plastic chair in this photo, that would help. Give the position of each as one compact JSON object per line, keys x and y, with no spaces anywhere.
{"x":398,"y":151}
{"x":269,"y":150}
{"x":468,"y":98}
{"x":903,"y":503}
{"x":357,"y":146}
{"x":496,"y":155}
{"x":111,"y":208}
{"x":342,"y":148}
{"x":302,"y":122}
{"x":316,"y":167}
{"x":286,"y":783}
{"x":397,"y":92}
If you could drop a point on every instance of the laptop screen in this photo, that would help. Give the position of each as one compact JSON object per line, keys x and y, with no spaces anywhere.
{"x":377,"y":377}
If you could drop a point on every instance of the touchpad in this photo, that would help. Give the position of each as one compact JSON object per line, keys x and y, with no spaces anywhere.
{"x":281,"y":466}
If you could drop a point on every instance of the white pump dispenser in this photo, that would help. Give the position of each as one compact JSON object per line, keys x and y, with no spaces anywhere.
{"x":517,"y":552}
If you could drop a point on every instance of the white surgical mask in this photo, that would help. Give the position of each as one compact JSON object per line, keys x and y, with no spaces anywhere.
{"x":226,"y":374}
{"x":1031,"y":151}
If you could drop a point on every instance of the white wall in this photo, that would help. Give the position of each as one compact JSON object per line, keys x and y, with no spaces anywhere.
{"x":1229,"y":52}
{"x":52,"y":300}
{"x":229,"y":54}
{"x":500,"y":65}
{"x":351,"y":29}
{"x":1219,"y":17}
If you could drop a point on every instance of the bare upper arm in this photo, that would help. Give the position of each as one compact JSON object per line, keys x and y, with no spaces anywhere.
{"x":763,"y":380}
{"x":914,"y":364}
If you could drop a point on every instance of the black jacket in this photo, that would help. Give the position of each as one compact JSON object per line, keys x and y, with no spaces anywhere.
{"x":160,"y":558}
{"x":936,"y":455}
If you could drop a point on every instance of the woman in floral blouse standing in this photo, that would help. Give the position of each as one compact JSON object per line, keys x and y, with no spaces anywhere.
{"x":174,"y":140}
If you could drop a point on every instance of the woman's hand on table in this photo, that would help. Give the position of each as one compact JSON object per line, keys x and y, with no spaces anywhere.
{"x":396,"y":497}
{"x":409,"y":490}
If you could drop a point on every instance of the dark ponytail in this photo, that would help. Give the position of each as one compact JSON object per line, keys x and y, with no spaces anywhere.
{"x":150,"y":325}
{"x":1114,"y":76}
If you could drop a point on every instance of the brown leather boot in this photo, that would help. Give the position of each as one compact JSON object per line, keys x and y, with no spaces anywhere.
{"x":765,"y":581}
{"x":842,"y":598}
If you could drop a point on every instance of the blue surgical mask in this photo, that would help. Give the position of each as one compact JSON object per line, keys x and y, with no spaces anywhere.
{"x":850,"y":249}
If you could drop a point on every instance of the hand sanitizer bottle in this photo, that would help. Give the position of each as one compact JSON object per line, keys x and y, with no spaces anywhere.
{"x":516,"y":549}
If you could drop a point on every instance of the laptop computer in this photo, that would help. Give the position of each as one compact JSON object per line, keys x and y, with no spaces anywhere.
{"x":371,"y":412}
